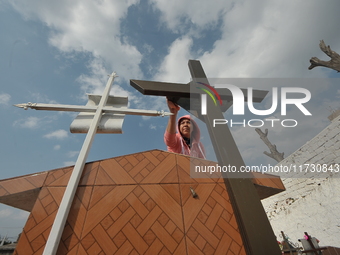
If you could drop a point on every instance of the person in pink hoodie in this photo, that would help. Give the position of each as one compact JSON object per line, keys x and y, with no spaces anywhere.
{"x":183,"y":136}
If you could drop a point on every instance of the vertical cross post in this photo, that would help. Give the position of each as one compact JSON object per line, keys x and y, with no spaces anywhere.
{"x":257,"y":235}
{"x":255,"y":229}
{"x":71,"y":188}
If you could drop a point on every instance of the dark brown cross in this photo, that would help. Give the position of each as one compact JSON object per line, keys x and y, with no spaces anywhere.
{"x":255,"y":229}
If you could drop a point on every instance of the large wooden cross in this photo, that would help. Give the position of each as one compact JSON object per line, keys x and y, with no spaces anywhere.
{"x":255,"y":229}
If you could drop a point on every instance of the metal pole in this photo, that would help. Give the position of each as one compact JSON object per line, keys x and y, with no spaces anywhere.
{"x":53,"y":240}
{"x":84,"y":108}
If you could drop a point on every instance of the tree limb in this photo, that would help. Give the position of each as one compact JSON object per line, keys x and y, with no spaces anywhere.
{"x":274,"y":154}
{"x":334,"y":63}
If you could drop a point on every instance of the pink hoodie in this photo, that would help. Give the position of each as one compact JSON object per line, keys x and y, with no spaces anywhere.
{"x":175,"y":142}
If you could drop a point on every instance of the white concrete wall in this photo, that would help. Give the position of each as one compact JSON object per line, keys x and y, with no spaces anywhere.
{"x":311,"y":202}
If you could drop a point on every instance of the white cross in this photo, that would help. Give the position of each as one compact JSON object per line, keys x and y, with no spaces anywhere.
{"x":66,"y":202}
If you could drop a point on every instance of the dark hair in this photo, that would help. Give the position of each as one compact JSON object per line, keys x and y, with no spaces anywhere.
{"x":184,"y":119}
{"x":191,"y":126}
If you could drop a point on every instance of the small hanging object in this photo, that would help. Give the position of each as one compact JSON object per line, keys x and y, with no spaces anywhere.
{"x":193,"y":193}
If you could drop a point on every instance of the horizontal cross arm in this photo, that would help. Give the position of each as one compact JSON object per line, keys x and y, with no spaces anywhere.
{"x":57,"y":107}
{"x":155,"y":88}
{"x":136,"y":112}
{"x":181,"y":90}
{"x":86,"y":108}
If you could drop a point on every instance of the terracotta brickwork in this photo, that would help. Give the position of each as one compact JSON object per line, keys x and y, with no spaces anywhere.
{"x":137,"y":204}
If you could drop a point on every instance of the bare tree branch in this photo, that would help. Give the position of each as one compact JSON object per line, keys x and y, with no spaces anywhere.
{"x":274,"y":154}
{"x":334,"y":63}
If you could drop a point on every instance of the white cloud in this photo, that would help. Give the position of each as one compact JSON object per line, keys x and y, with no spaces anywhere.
{"x":175,"y":65}
{"x":72,"y":154}
{"x":57,"y":147}
{"x":178,"y":14}
{"x":152,"y":127}
{"x":12,"y":221}
{"x":78,"y":25}
{"x":58,"y":134}
{"x":96,"y":81}
{"x":258,"y":39}
{"x":41,"y":98}
{"x":33,"y":122}
{"x":4,"y":98}
{"x":29,"y":122}
{"x":148,"y":48}
{"x":5,"y":213}
{"x":69,"y":163}
{"x":91,"y":27}
{"x":9,"y":213}
{"x":20,"y":215}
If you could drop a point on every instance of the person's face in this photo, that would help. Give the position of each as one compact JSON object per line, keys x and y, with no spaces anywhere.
{"x":185,"y":128}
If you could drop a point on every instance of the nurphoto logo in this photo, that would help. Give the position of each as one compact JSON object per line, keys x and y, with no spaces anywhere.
{"x":238,"y":99}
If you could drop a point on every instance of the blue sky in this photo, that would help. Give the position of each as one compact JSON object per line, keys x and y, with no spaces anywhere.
{"x":56,"y":52}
